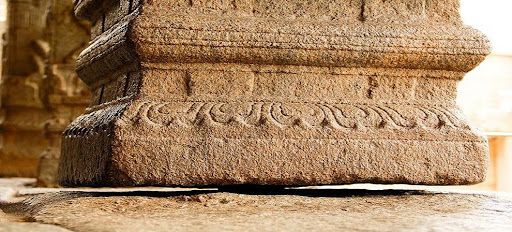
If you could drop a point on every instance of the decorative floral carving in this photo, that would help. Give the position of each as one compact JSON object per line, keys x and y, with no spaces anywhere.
{"x":306,"y":115}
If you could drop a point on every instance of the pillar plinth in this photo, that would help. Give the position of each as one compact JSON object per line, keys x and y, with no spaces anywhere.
{"x":212,"y":93}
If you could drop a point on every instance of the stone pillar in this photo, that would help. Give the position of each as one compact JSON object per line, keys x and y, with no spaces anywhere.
{"x":67,"y":96}
{"x":23,"y":108}
{"x":41,"y":93}
{"x":274,"y":92}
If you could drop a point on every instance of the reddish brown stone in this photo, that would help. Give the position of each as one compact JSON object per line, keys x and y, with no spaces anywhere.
{"x":275,"y":93}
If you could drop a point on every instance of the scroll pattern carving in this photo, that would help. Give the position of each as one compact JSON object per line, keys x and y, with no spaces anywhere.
{"x":306,"y":115}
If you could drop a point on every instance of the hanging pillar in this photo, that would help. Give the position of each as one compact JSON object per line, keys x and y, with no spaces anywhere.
{"x":212,"y":93}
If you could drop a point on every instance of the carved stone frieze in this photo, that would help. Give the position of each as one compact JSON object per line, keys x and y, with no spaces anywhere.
{"x":307,"y":115}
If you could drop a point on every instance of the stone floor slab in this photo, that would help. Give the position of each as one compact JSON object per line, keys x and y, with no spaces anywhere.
{"x":274,"y":210}
{"x":30,"y":227}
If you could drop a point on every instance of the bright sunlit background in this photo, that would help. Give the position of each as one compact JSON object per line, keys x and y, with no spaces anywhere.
{"x":492,"y":17}
{"x":485,"y":94}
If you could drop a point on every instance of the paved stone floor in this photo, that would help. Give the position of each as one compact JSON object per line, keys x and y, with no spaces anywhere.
{"x":24,"y":208}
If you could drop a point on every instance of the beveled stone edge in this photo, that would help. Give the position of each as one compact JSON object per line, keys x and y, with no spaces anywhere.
{"x":104,"y":56}
{"x":123,"y":38}
{"x":108,"y":53}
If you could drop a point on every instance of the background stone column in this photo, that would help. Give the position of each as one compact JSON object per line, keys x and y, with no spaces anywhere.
{"x":40,"y":91}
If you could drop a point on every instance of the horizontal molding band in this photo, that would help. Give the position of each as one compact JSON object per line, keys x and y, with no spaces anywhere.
{"x":283,"y":120}
{"x":166,"y":41}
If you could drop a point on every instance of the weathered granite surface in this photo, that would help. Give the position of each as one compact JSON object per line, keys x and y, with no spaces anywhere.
{"x":288,"y":210}
{"x":202,"y":93}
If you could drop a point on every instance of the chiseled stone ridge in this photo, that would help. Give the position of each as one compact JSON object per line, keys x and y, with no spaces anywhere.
{"x":274,"y":92}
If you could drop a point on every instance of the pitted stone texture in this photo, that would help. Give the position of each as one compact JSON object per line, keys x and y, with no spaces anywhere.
{"x":288,"y":210}
{"x":212,"y":93}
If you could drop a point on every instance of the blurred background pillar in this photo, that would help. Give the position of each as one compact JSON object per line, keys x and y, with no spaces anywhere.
{"x":40,"y":91}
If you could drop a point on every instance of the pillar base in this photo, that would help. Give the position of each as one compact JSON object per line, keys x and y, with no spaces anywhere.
{"x":284,"y":139}
{"x":190,"y":93}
